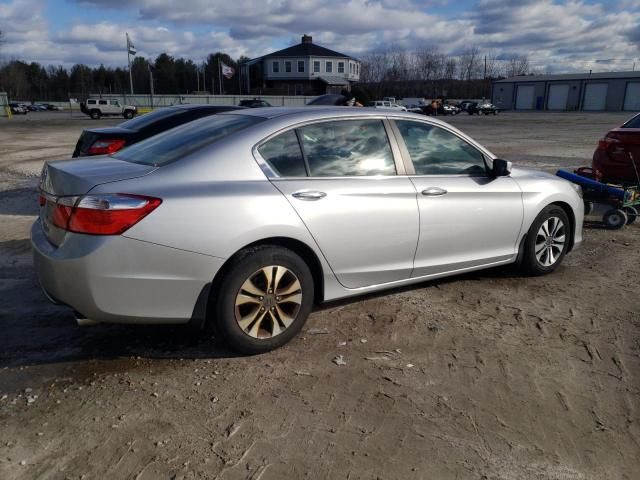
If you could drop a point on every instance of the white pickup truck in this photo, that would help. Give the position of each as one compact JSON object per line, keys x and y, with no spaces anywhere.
{"x":102,"y":107}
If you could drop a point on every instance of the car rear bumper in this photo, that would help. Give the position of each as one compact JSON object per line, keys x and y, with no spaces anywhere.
{"x":117,"y":279}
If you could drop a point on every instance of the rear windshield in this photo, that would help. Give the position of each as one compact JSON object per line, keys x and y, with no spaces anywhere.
{"x":185,"y":139}
{"x":633,"y":123}
{"x":138,"y":123}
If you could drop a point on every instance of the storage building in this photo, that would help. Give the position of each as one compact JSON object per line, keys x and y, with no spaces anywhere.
{"x":609,"y":91}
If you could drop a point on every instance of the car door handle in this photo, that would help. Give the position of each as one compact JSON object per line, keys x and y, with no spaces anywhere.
{"x":308,"y":195}
{"x":433,"y":192}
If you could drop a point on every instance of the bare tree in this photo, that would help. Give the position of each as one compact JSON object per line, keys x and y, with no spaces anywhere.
{"x":517,"y":65}
{"x":470,"y":64}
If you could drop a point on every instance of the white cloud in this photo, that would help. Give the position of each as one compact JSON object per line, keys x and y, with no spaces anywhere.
{"x":557,"y":35}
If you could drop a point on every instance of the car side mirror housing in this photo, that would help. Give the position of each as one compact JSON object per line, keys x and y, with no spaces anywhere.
{"x":501,"y":168}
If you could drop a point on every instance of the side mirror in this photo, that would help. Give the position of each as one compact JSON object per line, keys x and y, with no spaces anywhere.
{"x":501,"y":168}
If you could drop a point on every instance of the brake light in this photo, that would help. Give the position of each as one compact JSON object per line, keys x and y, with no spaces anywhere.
{"x":106,"y":146}
{"x":110,"y":214}
{"x":606,"y":142}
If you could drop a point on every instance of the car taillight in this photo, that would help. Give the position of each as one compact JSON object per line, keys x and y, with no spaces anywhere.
{"x":606,"y":142}
{"x":106,"y":146}
{"x":109,"y":214}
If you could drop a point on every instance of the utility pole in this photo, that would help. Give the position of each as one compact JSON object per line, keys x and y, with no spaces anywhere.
{"x":130,"y":49}
{"x":485,"y":67}
{"x":150,"y":81}
{"x":204,"y":77}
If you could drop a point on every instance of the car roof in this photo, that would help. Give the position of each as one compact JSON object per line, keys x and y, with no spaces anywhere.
{"x":321,"y":112}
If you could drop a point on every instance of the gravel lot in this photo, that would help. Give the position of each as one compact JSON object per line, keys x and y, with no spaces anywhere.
{"x":484,"y":376}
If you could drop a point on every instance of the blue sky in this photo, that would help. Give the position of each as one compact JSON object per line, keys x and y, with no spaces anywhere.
{"x":557,"y":35}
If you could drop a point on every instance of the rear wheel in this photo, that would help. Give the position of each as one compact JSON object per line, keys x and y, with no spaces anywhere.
{"x":547,"y":241}
{"x":264,"y":299}
{"x":615,"y":218}
{"x":95,"y":114}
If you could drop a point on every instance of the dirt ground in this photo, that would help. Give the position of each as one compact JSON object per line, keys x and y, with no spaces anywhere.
{"x":485,"y":376}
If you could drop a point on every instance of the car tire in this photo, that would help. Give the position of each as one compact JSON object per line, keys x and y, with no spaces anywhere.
{"x":95,"y":114}
{"x":128,"y":114}
{"x":547,"y":241}
{"x":632,"y":214}
{"x":615,"y":218}
{"x":250,"y":316}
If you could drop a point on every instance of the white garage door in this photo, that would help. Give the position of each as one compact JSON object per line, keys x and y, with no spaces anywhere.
{"x":595,"y":96}
{"x":558,"y":95}
{"x":632,"y":97}
{"x":524,"y":98}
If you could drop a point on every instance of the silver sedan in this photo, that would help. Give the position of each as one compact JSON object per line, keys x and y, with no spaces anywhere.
{"x":243,"y":221}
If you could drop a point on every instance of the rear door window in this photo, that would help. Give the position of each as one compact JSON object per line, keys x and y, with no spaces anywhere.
{"x":347,"y":148}
{"x":102,"y":102}
{"x":283,"y":155}
{"x":185,"y":139}
{"x":436,"y":151}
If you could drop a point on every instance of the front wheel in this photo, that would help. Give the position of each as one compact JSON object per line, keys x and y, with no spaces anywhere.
{"x":95,"y":114}
{"x":264,"y":299}
{"x":615,"y":218}
{"x":128,"y":114}
{"x":547,"y":241}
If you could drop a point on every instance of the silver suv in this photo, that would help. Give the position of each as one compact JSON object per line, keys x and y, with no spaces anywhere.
{"x":101,"y":107}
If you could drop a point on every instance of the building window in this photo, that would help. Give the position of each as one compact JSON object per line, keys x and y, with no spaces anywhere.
{"x":300,"y":66}
{"x":340,"y":67}
{"x":287,"y":67}
{"x":316,"y":66}
{"x":275,"y":67}
{"x":357,"y":69}
{"x":328,"y":67}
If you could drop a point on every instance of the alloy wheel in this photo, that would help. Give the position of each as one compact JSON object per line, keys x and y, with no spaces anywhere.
{"x":550,"y":241}
{"x":268,"y":302}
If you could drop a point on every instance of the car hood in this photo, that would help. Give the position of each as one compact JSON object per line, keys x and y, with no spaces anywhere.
{"x":523,"y":172}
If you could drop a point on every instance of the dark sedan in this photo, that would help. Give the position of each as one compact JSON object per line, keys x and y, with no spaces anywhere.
{"x":614,"y":158}
{"x":108,"y":140}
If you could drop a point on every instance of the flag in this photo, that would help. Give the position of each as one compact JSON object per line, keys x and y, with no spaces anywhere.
{"x":130,"y":48}
{"x":227,"y":71}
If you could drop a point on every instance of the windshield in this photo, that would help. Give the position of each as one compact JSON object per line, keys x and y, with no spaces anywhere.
{"x":147,"y":119}
{"x":185,"y":139}
{"x":633,"y":123}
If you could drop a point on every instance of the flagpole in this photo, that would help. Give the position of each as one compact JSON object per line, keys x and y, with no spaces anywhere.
{"x":129,"y":62}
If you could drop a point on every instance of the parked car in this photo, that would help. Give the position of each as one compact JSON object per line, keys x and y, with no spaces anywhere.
{"x":255,"y":103}
{"x":329,"y":99}
{"x":244,"y":220}
{"x":388,"y":105}
{"x":108,"y":140}
{"x":451,"y":109}
{"x":612,"y":159}
{"x":488,"y":108}
{"x":104,"y":107}
{"x":52,"y":107}
{"x":413,"y":108}
{"x":37,"y":107}
{"x":17,"y":109}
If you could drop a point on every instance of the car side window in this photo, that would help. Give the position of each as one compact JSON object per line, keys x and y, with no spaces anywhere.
{"x":347,"y":148}
{"x":435,"y":151}
{"x":283,"y":155}
{"x":102,"y":102}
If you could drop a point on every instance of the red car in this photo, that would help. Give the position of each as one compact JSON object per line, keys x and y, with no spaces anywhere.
{"x":612,"y":159}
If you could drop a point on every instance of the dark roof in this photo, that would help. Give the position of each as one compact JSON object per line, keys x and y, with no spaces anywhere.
{"x":306,"y":49}
{"x":329,"y":80}
{"x":571,"y":76}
